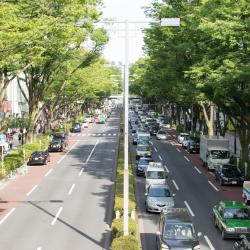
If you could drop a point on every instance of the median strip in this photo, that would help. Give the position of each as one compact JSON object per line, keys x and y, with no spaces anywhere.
{"x":92,"y":151}
{"x":189,"y":209}
{"x":56,"y":217}
{"x":214,"y":187}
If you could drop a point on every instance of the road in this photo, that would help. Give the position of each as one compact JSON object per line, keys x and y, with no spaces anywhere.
{"x":194,"y":188}
{"x":71,"y":208}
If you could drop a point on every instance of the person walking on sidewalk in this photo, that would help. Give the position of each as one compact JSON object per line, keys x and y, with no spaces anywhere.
{"x":20,"y":138}
{"x":11,"y":142}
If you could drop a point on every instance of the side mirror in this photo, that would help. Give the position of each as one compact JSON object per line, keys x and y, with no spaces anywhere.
{"x":158,"y":233}
{"x":199,"y":234}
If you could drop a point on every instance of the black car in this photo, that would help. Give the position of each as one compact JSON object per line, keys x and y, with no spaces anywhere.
{"x":244,"y":244}
{"x":153,"y":130}
{"x":56,"y":145}
{"x":193,"y":146}
{"x":228,"y":174}
{"x":61,"y":136}
{"x":176,"y":230}
{"x":142,"y":165}
{"x":76,"y":128}
{"x":41,"y":157}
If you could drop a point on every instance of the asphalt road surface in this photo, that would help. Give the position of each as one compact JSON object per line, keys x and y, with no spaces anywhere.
{"x":193,"y":190}
{"x":72,"y":207}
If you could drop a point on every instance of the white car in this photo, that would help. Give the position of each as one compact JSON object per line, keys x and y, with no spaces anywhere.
{"x":181,"y":137}
{"x":161,"y":135}
{"x":165,"y":125}
{"x":85,"y":125}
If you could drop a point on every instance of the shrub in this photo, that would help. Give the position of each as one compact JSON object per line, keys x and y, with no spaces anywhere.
{"x":125,"y":243}
{"x":117,"y":228}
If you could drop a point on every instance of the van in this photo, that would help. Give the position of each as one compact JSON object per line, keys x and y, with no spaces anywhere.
{"x":155,"y":174}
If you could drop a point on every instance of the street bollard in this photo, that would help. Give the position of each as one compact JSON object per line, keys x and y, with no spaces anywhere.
{"x":117,"y":214}
{"x":133,"y":215}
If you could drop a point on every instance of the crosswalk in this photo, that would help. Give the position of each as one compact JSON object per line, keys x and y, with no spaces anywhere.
{"x":94,"y":135}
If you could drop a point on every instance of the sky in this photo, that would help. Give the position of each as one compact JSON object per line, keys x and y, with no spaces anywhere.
{"x":121,"y":10}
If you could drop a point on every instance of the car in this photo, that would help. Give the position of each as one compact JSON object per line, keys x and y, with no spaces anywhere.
{"x":181,"y":137}
{"x":41,"y":157}
{"x":185,"y":142}
{"x":89,"y":119}
{"x":142,"y":164}
{"x":85,"y":124}
{"x":158,"y":197}
{"x":244,"y":244}
{"x":152,"y":130}
{"x":232,"y":218}
{"x":143,"y":142}
{"x":161,"y":135}
{"x":176,"y":230}
{"x":56,"y":145}
{"x":193,"y":146}
{"x":165,"y":124}
{"x":76,"y":128}
{"x":143,"y":151}
{"x":228,"y":174}
{"x":63,"y":136}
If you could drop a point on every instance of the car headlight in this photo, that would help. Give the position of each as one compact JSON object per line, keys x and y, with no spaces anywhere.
{"x":197,"y":247}
{"x":230,"y":229}
{"x":164,"y":247}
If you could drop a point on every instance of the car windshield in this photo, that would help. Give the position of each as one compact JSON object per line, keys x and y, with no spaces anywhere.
{"x":237,"y":213}
{"x":159,"y":192}
{"x":155,"y":175}
{"x":143,"y":142}
{"x":37,"y":154}
{"x":179,"y":231}
{"x":161,"y":132}
{"x":219,"y":154}
{"x":231,"y":172}
{"x":143,"y":148}
{"x":144,"y":161}
{"x":56,"y":141}
{"x":143,"y":137}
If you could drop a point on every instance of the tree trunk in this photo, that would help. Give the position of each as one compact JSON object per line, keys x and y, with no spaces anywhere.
{"x":244,"y":137}
{"x":209,"y":120}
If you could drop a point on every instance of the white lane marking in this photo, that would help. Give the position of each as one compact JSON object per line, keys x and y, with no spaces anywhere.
{"x":214,"y":187}
{"x":67,"y":152}
{"x":7,"y":215}
{"x":189,"y":209}
{"x":178,"y":150}
{"x":197,"y":170}
{"x":155,"y":149}
{"x":186,"y":158}
{"x":39,"y":248}
{"x":56,"y":217}
{"x":209,"y":243}
{"x":81,"y":172}
{"x":160,"y":157}
{"x":78,"y":134}
{"x":31,"y":190}
{"x":167,"y":170}
{"x":84,"y":134}
{"x":92,"y":151}
{"x":48,"y":172}
{"x":71,"y":189}
{"x":177,"y":188}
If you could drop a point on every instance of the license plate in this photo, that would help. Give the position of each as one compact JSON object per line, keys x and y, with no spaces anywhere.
{"x":234,"y":182}
{"x":36,"y":158}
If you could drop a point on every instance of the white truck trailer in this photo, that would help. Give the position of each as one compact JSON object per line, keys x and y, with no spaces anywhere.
{"x":214,"y":150}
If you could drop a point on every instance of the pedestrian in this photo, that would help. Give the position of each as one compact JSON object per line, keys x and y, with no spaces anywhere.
{"x":20,"y":138}
{"x":10,"y":143}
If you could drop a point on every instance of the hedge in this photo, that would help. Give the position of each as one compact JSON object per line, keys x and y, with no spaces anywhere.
{"x":117,"y":228}
{"x":125,"y":243}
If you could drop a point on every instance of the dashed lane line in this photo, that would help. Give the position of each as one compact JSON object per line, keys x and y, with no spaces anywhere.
{"x":67,"y":153}
{"x":176,"y":186}
{"x":178,"y":150}
{"x":209,"y":243}
{"x":160,"y":157}
{"x":48,"y":172}
{"x":71,"y":189}
{"x":197,"y":170}
{"x":189,"y":208}
{"x":155,"y":149}
{"x":186,"y":158}
{"x":31,"y":190}
{"x":166,"y":168}
{"x":213,"y":186}
{"x":56,"y":217}
{"x":80,"y":173}
{"x":7,"y":215}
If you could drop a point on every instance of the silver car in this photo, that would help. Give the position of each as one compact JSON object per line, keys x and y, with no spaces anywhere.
{"x":161,"y":135}
{"x":142,"y":151}
{"x":158,"y":197}
{"x":181,"y":137}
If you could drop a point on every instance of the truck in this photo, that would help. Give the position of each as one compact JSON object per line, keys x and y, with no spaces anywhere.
{"x":246,"y":192}
{"x":214,"y":150}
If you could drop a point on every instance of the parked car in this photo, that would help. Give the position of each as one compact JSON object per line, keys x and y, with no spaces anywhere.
{"x":165,"y":124}
{"x":61,"y":136}
{"x":232,"y":218}
{"x":76,"y":128}
{"x":193,"y":147}
{"x":228,"y":174}
{"x":142,"y":164}
{"x":41,"y":157}
{"x":244,"y":244}
{"x":89,"y":119}
{"x":161,"y":135}
{"x":152,"y":130}
{"x":181,"y":137}
{"x":176,"y":230}
{"x":56,"y":145}
{"x":142,"y":151}
{"x":158,"y":197}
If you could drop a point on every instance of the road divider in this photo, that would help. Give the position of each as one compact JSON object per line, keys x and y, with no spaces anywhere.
{"x":56,"y":217}
{"x":71,"y":189}
{"x":213,"y":186}
{"x":176,"y":186}
{"x":209,"y":243}
{"x":7,"y":215}
{"x":189,"y":209}
{"x":31,"y":190}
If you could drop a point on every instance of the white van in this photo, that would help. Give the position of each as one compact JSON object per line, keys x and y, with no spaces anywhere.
{"x":155,"y":174}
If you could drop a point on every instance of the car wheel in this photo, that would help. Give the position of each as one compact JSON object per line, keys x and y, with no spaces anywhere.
{"x":221,"y":182}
